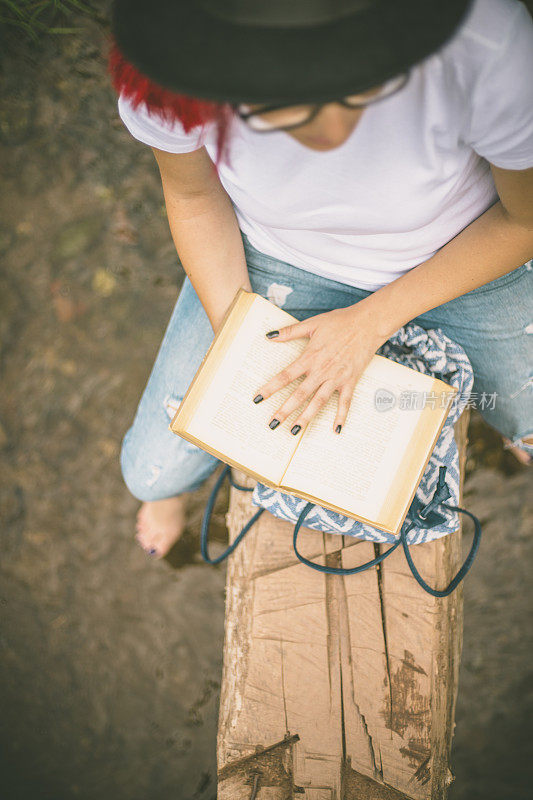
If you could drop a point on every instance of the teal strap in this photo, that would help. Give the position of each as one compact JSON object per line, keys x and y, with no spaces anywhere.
{"x":204,"y":534}
{"x":335,"y":570}
{"x":454,"y":583}
{"x":469,"y":560}
{"x":426,"y":516}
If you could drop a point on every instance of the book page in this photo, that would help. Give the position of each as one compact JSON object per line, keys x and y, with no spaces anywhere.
{"x":358,"y":466}
{"x":226,"y":417}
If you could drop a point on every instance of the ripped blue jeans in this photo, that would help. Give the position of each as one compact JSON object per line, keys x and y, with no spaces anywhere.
{"x":493,"y":323}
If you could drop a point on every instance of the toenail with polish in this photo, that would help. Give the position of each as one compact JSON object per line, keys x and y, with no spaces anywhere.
{"x":258,"y":398}
{"x":272,"y":334}
{"x":273,"y":423}
{"x":152,"y":551}
{"x":296,"y":429}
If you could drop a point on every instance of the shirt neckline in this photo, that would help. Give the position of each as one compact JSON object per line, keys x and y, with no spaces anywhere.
{"x":302,"y":149}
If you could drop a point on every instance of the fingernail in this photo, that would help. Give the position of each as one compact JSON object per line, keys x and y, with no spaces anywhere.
{"x":296,"y":429}
{"x":338,"y":429}
{"x":152,"y":551}
{"x":258,"y":398}
{"x":272,"y":334}
{"x":273,"y":423}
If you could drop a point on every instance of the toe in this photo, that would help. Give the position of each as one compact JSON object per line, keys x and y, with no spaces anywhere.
{"x":148,"y":547}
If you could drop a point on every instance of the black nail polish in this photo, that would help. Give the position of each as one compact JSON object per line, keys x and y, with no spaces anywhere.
{"x":296,"y":429}
{"x":258,"y":398}
{"x":272,"y":334}
{"x":338,"y":429}
{"x":273,"y":423}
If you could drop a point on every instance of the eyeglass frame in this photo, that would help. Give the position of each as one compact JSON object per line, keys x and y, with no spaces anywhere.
{"x":316,"y":107}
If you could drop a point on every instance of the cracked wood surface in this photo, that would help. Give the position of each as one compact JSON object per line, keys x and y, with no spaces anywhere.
{"x":336,"y":687}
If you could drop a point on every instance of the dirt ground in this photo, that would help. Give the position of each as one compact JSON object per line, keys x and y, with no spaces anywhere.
{"x":110,"y":662}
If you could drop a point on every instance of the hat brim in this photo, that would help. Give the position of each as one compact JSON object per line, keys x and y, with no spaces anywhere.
{"x":185,"y":49}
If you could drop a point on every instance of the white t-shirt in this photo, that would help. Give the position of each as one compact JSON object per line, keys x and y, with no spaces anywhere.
{"x":412,"y":174}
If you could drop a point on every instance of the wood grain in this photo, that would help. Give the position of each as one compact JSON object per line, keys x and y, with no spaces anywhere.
{"x":336,"y":687}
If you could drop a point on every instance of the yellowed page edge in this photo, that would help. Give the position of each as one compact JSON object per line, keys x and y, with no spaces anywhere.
{"x":396,"y":504}
{"x":237,"y":310}
{"x":332,"y":507}
{"x":189,"y":421}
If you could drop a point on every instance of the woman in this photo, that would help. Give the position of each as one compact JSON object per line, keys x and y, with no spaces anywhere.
{"x":374,"y":166}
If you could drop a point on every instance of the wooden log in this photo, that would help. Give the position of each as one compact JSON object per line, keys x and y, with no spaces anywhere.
{"x":336,"y":687}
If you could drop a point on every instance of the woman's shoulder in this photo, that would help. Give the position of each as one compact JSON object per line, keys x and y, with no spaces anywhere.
{"x":486,"y":31}
{"x":487,"y":22}
{"x":489,"y":67}
{"x":161,"y":130}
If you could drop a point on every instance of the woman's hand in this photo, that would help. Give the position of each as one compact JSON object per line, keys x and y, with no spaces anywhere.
{"x":341,"y":344}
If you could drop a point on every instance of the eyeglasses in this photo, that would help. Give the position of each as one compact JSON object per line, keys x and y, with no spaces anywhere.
{"x":284,"y":117}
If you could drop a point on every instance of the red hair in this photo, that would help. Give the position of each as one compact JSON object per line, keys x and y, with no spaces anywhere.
{"x":168,"y":105}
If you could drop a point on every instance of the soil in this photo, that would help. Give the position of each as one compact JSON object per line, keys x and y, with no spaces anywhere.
{"x":111,"y":662}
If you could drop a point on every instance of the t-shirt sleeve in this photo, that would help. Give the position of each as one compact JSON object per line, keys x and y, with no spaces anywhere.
{"x":154,"y":131}
{"x":500,"y":124}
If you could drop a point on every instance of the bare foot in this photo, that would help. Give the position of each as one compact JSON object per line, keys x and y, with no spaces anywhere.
{"x":519,"y":454}
{"x":160,"y":524}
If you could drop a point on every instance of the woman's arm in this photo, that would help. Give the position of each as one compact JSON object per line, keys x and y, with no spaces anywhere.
{"x":498,"y":241}
{"x":204,"y":229}
{"x":342,"y":342}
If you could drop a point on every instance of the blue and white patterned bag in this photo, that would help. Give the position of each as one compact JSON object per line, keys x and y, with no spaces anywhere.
{"x":429,"y":517}
{"x":430,"y":352}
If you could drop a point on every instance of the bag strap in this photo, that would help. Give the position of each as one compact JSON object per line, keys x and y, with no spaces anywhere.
{"x":204,"y":534}
{"x":334,"y":570}
{"x":469,"y":560}
{"x":426,"y":516}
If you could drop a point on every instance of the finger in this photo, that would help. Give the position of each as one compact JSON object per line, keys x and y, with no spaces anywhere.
{"x":288,"y":332}
{"x":302,"y":393}
{"x":345,"y":399}
{"x":283,"y":378}
{"x":320,"y":398}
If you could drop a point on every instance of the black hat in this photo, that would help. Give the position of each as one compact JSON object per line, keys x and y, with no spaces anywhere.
{"x":270,"y":51}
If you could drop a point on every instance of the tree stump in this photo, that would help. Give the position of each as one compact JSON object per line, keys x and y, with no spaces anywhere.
{"x":336,"y":687}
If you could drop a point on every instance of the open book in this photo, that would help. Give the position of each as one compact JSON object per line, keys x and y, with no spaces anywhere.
{"x":370,"y":471}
